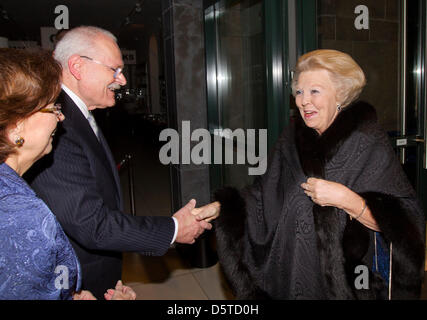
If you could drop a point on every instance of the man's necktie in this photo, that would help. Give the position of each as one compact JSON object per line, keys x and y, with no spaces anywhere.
{"x":93,"y":124}
{"x":108,"y":153}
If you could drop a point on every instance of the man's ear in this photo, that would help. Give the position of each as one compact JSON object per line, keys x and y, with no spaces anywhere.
{"x":74,"y":65}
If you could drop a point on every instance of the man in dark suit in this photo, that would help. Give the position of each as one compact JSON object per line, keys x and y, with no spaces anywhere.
{"x":81,"y":184}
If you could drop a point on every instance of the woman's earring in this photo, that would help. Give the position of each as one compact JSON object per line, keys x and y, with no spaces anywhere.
{"x":339,"y":108}
{"x":19,"y":142}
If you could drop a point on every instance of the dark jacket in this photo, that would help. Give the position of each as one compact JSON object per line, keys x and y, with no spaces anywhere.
{"x":80,"y":183}
{"x":274,"y":242}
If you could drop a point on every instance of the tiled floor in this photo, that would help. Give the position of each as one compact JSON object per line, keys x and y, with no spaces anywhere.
{"x":169,"y":277}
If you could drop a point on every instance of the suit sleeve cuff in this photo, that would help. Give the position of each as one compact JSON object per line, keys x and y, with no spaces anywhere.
{"x":176,"y":229}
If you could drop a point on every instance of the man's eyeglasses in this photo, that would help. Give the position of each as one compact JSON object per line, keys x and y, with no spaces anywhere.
{"x":117,"y":71}
{"x":55,"y":109}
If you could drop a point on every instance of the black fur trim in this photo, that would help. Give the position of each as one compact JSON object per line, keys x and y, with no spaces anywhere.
{"x":407,"y":242}
{"x":229,"y":230}
{"x":314,"y":150}
{"x":233,"y":212}
{"x":355,"y":242}
{"x":330,"y":252}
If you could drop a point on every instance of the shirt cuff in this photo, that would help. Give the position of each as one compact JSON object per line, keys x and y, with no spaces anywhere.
{"x":176,"y":229}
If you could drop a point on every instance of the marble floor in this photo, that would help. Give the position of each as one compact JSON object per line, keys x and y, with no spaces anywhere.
{"x":170,"y":277}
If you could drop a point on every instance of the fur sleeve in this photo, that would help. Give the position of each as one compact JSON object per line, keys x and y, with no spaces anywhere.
{"x":396,"y":219}
{"x":230,"y":230}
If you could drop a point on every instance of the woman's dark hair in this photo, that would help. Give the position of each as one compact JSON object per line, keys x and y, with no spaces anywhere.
{"x":28,"y":82}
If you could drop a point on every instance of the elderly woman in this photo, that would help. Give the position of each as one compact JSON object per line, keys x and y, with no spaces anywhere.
{"x":36,"y":259}
{"x":334,"y":216}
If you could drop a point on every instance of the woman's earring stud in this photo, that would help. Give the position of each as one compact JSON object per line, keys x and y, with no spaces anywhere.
{"x":19,"y":142}
{"x":339,"y":108}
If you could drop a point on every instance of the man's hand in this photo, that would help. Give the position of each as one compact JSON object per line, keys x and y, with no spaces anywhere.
{"x":208,"y":212}
{"x":189,"y":228}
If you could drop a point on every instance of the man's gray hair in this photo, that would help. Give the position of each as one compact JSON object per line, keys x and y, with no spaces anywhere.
{"x":79,"y":40}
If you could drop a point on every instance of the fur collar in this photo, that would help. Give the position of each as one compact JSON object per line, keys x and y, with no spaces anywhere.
{"x":321,"y":148}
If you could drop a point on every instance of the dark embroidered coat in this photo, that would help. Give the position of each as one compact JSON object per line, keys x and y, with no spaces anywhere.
{"x":274,"y":242}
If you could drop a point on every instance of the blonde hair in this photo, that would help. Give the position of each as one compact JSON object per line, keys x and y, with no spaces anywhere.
{"x":346,"y":75}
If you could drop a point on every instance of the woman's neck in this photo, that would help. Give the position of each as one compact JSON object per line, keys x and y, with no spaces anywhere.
{"x":16,"y":165}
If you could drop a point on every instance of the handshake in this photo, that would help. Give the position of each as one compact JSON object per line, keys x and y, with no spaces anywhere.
{"x":192,"y":221}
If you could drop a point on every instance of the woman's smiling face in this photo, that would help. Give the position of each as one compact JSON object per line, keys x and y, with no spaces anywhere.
{"x":315,"y":96}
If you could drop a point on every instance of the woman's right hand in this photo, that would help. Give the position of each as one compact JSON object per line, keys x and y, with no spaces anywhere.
{"x":208,"y":212}
{"x":83,"y":295}
{"x":120,"y":292}
{"x":325,"y":193}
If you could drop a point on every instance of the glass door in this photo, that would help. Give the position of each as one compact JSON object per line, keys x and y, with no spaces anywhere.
{"x":236,"y":75}
{"x":245,"y":76}
{"x":387,"y":39}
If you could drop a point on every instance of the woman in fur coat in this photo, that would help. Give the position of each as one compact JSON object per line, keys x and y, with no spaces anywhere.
{"x":334,"y":216}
